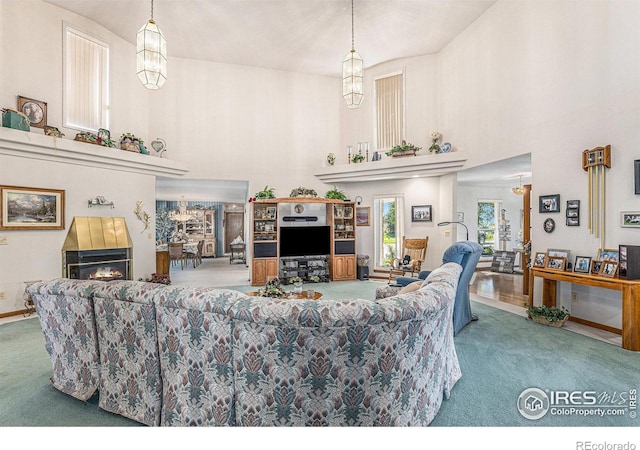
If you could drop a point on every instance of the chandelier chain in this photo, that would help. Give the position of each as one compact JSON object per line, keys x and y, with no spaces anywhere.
{"x":353,"y":47}
{"x":151,"y":9}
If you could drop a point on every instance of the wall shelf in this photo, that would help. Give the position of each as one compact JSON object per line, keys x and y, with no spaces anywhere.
{"x":49,"y":148}
{"x":430,"y":165}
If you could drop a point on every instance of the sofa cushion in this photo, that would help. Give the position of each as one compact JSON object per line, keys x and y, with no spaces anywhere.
{"x":410,"y":287}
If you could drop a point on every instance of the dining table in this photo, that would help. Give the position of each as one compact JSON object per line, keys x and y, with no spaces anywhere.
{"x":188,"y":247}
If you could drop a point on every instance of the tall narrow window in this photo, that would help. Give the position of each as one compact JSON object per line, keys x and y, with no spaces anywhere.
{"x":86,"y":81}
{"x":488,"y":211}
{"x":389,"y":226}
{"x":389,"y":95}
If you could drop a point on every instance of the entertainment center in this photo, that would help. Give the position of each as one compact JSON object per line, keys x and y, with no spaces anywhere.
{"x":303,"y":237}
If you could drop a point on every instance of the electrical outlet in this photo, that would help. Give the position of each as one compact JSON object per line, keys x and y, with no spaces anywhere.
{"x":3,"y":295}
{"x":4,"y":240}
{"x":574,"y":297}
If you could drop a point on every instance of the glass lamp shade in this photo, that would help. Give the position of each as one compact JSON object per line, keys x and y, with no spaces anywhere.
{"x":352,"y":79}
{"x":151,"y":50}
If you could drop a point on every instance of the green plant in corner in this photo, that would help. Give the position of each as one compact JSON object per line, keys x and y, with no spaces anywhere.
{"x":335,"y":194}
{"x":267,"y":192}
{"x":550,"y":313}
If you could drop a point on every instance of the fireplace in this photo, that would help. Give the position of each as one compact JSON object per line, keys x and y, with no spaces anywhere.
{"x":98,"y":248}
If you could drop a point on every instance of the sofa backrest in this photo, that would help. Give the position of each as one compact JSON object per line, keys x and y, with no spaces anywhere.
{"x":66,"y":314}
{"x":194,"y":336}
{"x":352,"y":362}
{"x":130,"y":383}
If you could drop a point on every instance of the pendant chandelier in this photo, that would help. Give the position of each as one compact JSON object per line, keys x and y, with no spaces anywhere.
{"x":352,"y":74}
{"x":518,"y":190}
{"x":151,"y":57}
{"x":181,"y":215}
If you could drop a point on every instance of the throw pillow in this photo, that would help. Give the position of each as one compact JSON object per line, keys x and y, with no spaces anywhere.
{"x":411,"y":287}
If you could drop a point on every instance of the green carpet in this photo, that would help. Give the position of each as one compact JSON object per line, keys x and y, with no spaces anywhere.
{"x":500,"y":355}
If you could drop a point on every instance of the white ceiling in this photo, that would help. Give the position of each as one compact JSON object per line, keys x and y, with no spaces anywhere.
{"x":298,"y":35}
{"x":310,"y":36}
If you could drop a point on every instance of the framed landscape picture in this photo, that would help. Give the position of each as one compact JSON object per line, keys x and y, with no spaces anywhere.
{"x":27,"y":208}
{"x":362,"y":216}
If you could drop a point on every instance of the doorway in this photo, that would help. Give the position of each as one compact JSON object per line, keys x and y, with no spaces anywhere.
{"x":233,"y":227}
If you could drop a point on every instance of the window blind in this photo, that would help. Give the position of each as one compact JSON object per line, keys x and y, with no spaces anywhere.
{"x":389,"y":111}
{"x":86,"y":81}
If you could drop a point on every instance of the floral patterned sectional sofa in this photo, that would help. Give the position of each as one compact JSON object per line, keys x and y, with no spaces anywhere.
{"x":183,"y":356}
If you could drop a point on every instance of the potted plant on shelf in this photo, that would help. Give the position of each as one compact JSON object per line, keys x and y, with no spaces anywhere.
{"x":403,"y":149}
{"x":357,"y":158}
{"x":335,"y":194}
{"x":267,"y":192}
{"x":548,"y":315}
{"x":303,"y":192}
{"x":314,"y":279}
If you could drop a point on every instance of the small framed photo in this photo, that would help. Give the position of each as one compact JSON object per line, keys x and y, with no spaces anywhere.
{"x":573,"y":204}
{"x":35,"y":110}
{"x":362,"y":216}
{"x":609,"y":268}
{"x":608,"y":254}
{"x":573,"y":221}
{"x":630,"y":219}
{"x":595,"y":267}
{"x":539,"y":259}
{"x":421,"y":213}
{"x":549,"y":203}
{"x":566,"y":254}
{"x":271,"y":212}
{"x":555,"y":262}
{"x":582,"y":264}
{"x":27,"y":208}
{"x":573,"y":212}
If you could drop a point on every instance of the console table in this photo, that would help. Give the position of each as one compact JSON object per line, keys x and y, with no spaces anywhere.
{"x":630,"y":297}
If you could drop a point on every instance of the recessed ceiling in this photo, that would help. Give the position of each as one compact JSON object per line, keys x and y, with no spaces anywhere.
{"x":297,"y":35}
{"x":503,"y":173}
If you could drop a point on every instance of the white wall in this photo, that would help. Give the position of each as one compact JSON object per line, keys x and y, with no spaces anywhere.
{"x":553,"y":79}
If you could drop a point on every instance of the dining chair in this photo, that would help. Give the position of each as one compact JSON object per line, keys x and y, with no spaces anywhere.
{"x":176,"y":253}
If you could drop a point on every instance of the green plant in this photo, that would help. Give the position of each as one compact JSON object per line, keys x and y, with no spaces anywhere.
{"x":314,"y":278}
{"x":402,"y":148}
{"x":303,"y":192}
{"x":270,"y":291}
{"x":551,"y":313}
{"x":336,"y":194}
{"x":357,"y":158}
{"x":295,"y":280}
{"x":267,"y":192}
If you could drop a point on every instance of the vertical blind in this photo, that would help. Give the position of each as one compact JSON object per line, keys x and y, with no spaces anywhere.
{"x":86,"y":82}
{"x":389,"y":111}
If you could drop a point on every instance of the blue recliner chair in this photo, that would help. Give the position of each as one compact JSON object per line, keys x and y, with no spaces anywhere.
{"x":467,"y":254}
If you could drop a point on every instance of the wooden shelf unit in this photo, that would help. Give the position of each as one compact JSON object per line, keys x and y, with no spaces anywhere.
{"x":340,"y":216}
{"x":202,"y":227}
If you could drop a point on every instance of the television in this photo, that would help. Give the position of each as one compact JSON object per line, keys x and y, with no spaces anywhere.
{"x":305,"y":241}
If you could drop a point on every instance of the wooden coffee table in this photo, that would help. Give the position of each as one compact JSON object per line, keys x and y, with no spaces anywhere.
{"x":303,"y":296}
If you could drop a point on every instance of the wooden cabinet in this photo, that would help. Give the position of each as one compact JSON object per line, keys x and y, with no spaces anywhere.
{"x":343,"y":268}
{"x":202,"y":226}
{"x":261,"y":268}
{"x":162,"y":262}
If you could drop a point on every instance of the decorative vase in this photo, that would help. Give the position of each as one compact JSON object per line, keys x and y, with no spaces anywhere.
{"x":297,"y":287}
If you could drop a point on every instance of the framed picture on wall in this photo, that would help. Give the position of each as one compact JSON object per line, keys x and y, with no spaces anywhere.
{"x":362,"y":216}
{"x":27,"y":208}
{"x":421,"y":213}
{"x":549,"y":203}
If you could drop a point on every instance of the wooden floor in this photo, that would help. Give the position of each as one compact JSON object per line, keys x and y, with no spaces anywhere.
{"x":504,"y":287}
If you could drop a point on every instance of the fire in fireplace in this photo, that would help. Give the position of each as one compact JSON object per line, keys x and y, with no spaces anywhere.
{"x":98,"y":248}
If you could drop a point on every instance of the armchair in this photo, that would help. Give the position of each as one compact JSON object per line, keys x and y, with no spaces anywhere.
{"x":465,"y":253}
{"x":414,"y":252}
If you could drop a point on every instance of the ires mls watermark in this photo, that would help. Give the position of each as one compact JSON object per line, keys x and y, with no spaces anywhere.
{"x":535,"y":403}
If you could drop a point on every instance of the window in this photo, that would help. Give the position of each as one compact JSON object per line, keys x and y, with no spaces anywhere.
{"x":86,"y":81}
{"x":389,"y":95}
{"x":389,"y":227}
{"x":488,"y":211}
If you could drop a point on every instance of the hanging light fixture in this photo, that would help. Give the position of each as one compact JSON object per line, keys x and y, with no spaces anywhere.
{"x":518,"y":190}
{"x":352,"y":74}
{"x":181,"y":215}
{"x":151,"y":51}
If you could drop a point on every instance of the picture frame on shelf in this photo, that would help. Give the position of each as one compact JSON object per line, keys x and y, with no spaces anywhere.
{"x":558,"y":252}
{"x":28,"y":208}
{"x":271,"y":212}
{"x":636,"y":176}
{"x":34,"y":110}
{"x":362,"y":216}
{"x":630,"y":219}
{"x":609,"y":269}
{"x":539,"y":259}
{"x":622,"y":259}
{"x":421,"y":213}
{"x":582,"y":264}
{"x":555,"y":263}
{"x":549,"y":203}
{"x":608,"y":254}
{"x":595,"y":267}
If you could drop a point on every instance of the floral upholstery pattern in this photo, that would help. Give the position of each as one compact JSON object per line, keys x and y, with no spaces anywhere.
{"x":130,"y":382}
{"x":182,"y":356}
{"x":341,"y":362}
{"x":65,"y":311}
{"x":194,"y":332}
